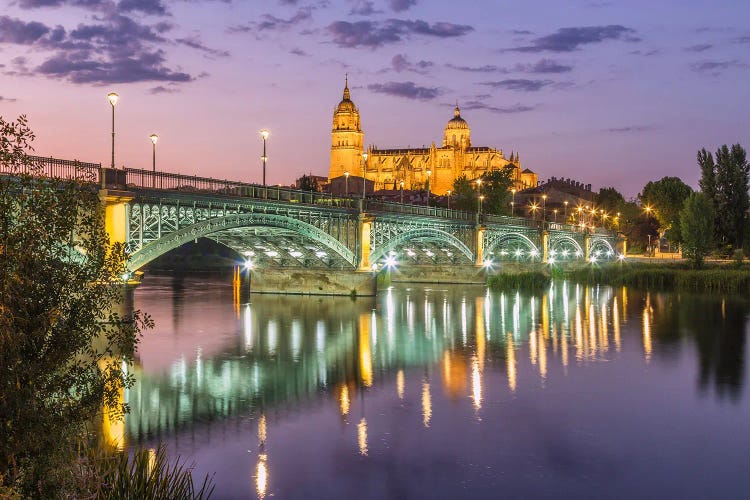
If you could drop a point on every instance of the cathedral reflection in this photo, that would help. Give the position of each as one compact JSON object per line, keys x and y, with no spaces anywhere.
{"x":295,"y":350}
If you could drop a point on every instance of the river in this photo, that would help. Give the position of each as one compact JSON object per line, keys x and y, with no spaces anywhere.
{"x":446,"y":391}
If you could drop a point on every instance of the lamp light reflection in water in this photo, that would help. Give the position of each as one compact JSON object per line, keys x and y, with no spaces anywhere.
{"x":362,"y":436}
{"x":476,"y":384}
{"x":647,"y":327}
{"x":400,"y":384}
{"x":344,"y":400}
{"x":426,"y":403}
{"x":616,"y":323}
{"x":510,"y":363}
{"x":261,"y":475}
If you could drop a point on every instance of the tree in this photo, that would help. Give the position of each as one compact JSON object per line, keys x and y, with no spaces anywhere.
{"x":725,"y":182}
{"x":308,"y":183}
{"x":611,"y":200}
{"x":667,"y":197}
{"x":496,"y":186}
{"x":464,"y":196}
{"x":62,"y":347}
{"x":696,"y":226}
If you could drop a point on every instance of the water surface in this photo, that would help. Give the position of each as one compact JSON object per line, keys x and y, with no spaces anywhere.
{"x":447,"y":392}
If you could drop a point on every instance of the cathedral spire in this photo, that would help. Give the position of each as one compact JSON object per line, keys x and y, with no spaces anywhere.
{"x":347,"y":95}
{"x":457,"y":111}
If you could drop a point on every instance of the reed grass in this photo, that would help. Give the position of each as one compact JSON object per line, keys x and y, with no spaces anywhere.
{"x":531,"y":280}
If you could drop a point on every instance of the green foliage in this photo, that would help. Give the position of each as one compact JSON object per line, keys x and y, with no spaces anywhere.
{"x":666,"y":277}
{"x":725,"y":182}
{"x":308,"y":183}
{"x":62,"y":347}
{"x":667,"y":196}
{"x":464,"y":197}
{"x":145,"y":474}
{"x":696,"y":226}
{"x":532,"y":280}
{"x":611,"y":200}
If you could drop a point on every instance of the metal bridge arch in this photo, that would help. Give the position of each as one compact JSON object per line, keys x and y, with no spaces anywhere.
{"x":175,"y":239}
{"x":597,"y":242}
{"x":557,"y":239}
{"x":495,"y":242}
{"x":418,"y":233}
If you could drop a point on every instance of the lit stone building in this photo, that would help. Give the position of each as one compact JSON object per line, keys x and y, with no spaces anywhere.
{"x":388,"y":168}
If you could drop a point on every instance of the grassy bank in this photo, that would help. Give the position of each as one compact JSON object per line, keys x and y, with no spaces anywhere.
{"x":532,"y":280}
{"x":663,"y":276}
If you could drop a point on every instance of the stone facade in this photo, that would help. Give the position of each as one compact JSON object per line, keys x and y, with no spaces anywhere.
{"x":436,"y":166}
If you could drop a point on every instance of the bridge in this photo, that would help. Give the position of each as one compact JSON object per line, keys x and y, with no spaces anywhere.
{"x":278,"y":228}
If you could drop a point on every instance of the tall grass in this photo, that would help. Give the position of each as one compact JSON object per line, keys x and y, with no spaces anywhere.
{"x":145,"y":474}
{"x":531,"y":280}
{"x":721,"y":279}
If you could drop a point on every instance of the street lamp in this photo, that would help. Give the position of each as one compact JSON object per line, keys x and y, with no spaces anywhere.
{"x":264,"y":134}
{"x":153,"y":138}
{"x":481,"y":199}
{"x":113,"y":98}
{"x":566,"y":210}
{"x":346,"y":182}
{"x":512,"y":207}
{"x":402,"y":191}
{"x":364,"y":174}
{"x":449,"y":199}
{"x":429,"y":173}
{"x":533,"y":207}
{"x":555,"y":212}
{"x":544,"y":208}
{"x":512,"y":200}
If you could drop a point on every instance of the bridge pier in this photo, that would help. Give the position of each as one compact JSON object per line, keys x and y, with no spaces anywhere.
{"x":313,"y":282}
{"x":587,"y":248}
{"x":545,"y":246}
{"x":364,"y":228}
{"x":115,"y":214}
{"x":479,"y":245}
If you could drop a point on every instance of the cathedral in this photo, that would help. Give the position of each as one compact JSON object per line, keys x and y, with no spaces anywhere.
{"x":388,"y":168}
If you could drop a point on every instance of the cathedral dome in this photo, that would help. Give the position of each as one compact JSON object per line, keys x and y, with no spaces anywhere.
{"x":456,"y":122}
{"x":346,"y":105}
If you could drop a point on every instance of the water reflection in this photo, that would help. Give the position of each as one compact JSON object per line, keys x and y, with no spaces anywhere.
{"x":218,"y":358}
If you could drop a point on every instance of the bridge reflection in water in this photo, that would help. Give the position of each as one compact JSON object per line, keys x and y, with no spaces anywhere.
{"x":213,"y":362}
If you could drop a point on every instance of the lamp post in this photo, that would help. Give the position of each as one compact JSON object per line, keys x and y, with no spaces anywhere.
{"x":512,"y":208}
{"x":113,"y":98}
{"x":429,"y":173}
{"x":153,"y":138}
{"x":402,"y":192}
{"x":449,"y":199}
{"x":555,"y":212}
{"x":544,"y":208}
{"x":264,"y":134}
{"x":481,"y":199}
{"x":364,"y":174}
{"x":346,"y":182}
{"x":512,"y":200}
{"x":566,"y":210}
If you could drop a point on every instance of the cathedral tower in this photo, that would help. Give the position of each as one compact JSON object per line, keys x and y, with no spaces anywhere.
{"x":457,"y":133}
{"x":347,"y":143}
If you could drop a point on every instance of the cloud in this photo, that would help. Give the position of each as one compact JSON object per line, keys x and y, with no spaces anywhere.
{"x":716,"y":67}
{"x":489,"y":68}
{"x":374,"y":34}
{"x":269,"y":22}
{"x":163,"y":89}
{"x":521,"y":32}
{"x":478,"y":105}
{"x":7,"y":99}
{"x":401,"y":5}
{"x":401,"y":63}
{"x":194,"y":42}
{"x":152,"y":7}
{"x":520,"y":84}
{"x":299,"y":52}
{"x":543,"y":66}
{"x":571,"y":39}
{"x":742,"y":39}
{"x":19,"y":32}
{"x":363,"y":8}
{"x":702,"y":47}
{"x":625,"y":130}
{"x":645,"y":53}
{"x":408,"y":90}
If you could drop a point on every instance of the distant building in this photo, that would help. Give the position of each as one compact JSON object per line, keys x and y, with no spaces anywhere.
{"x":387,"y":168}
{"x":320,"y":179}
{"x":557,"y":192}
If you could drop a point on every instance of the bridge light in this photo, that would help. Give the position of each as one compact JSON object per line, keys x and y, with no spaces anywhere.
{"x":592,"y":259}
{"x":519,"y":252}
{"x":503,"y":252}
{"x":565,"y":253}
{"x":579,"y":253}
{"x":551,"y":260}
{"x":621,"y":257}
{"x":374,"y":267}
{"x":125,"y":276}
{"x":610,"y":253}
{"x":487,"y":263}
{"x":553,"y":252}
{"x":410,"y":253}
{"x":390,"y":262}
{"x":249,"y":265}
{"x":534,"y":252}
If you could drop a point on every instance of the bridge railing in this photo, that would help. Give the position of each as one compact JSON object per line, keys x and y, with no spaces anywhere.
{"x":419,"y":210}
{"x":40,"y":166}
{"x":148,"y":179}
{"x":511,"y":221}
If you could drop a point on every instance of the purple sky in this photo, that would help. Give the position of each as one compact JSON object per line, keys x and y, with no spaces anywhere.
{"x":607,"y":92}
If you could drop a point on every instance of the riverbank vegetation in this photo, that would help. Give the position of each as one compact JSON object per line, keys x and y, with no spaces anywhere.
{"x":529,"y":281}
{"x":65,"y":348}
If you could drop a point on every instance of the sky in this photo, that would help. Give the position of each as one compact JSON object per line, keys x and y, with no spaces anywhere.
{"x":612,"y":93}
